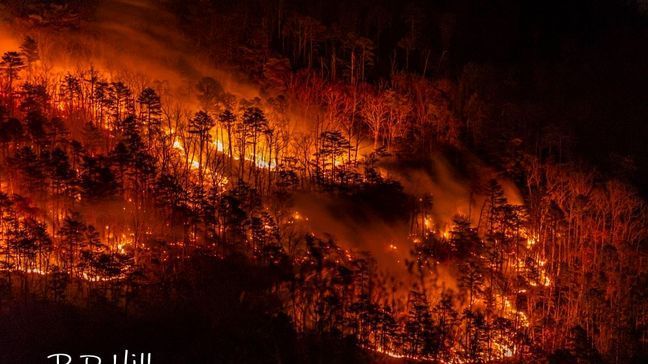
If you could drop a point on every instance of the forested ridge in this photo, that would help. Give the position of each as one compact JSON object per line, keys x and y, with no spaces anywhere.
{"x":211,"y":216}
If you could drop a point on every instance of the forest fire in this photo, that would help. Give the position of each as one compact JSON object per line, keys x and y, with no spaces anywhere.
{"x":302,"y":185}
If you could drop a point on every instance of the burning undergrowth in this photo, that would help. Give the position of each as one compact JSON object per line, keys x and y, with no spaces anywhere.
{"x":131,"y":165}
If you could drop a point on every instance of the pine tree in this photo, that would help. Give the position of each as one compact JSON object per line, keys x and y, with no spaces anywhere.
{"x":332,"y":145}
{"x":29,"y":50}
{"x":71,"y":239}
{"x":11,"y":64}
{"x":150,"y":112}
{"x":228,"y":120}
{"x":256,"y":124}
{"x":201,"y":126}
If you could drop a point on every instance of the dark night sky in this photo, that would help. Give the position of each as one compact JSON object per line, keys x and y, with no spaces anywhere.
{"x":584,"y":62}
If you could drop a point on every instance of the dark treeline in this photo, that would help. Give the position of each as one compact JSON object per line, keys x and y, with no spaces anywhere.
{"x":122,"y":205}
{"x":521,"y":69}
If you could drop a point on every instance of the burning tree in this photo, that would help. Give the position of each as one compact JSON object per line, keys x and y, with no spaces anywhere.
{"x":119,"y":186}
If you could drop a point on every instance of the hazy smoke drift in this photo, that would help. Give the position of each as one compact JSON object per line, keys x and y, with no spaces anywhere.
{"x":140,"y":35}
{"x":133,"y":40}
{"x":360,"y":228}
